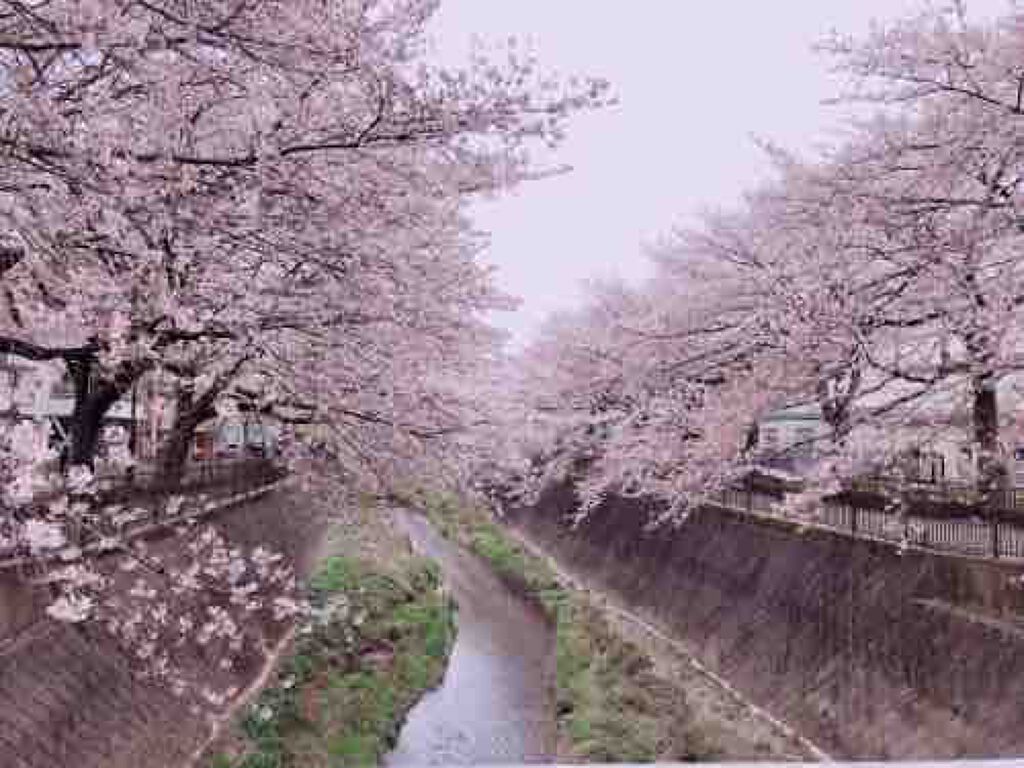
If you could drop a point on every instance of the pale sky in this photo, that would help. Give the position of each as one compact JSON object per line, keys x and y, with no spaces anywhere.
{"x":696,"y":81}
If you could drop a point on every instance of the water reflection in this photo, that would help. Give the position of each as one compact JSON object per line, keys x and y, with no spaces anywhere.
{"x":493,"y":706}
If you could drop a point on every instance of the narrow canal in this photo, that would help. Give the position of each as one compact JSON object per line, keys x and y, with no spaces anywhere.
{"x":494,"y":705}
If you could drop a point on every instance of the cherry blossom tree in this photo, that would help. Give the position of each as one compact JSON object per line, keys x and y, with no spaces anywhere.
{"x":141,"y":140}
{"x":263,"y":201}
{"x":879,"y":282}
{"x":943,"y":163}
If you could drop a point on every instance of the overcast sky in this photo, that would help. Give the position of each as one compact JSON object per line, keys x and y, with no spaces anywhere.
{"x":696,"y":80}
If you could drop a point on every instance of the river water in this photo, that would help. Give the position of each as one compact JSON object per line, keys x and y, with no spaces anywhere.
{"x":494,"y":704}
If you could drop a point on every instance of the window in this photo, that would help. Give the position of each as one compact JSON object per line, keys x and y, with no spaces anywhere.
{"x":233,"y":434}
{"x":803,"y":444}
{"x":254,"y":434}
{"x":769,"y":438}
{"x":65,"y":387}
{"x":932,"y":467}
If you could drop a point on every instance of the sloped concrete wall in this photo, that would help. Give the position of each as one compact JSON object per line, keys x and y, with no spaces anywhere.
{"x":870,"y":653}
{"x":67,"y":697}
{"x":67,"y":700}
{"x":20,"y":606}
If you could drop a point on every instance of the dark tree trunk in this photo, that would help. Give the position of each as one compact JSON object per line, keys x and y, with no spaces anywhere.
{"x":836,"y":395}
{"x":174,"y":454}
{"x":985,"y":414}
{"x":190,"y":413}
{"x":93,"y":400}
{"x":85,"y":419}
{"x":991,"y":470}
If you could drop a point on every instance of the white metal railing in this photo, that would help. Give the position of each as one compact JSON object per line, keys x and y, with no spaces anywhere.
{"x":966,"y":536}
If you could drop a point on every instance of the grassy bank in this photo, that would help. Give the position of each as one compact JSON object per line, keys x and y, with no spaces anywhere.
{"x":378,"y":638}
{"x":610,"y":705}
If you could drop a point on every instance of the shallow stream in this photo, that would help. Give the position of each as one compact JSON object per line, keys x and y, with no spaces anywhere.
{"x":494,"y":704}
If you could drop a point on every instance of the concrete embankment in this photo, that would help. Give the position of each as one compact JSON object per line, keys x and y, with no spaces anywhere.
{"x":622,"y":694}
{"x":866,"y":651}
{"x":67,"y":697}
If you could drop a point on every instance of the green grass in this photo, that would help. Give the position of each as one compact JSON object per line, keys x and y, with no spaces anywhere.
{"x":610,"y":706}
{"x":375,"y":643}
{"x":514,"y":564}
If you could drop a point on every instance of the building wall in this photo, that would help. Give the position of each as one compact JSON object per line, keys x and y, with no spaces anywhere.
{"x":236,"y":436}
{"x":787,"y":440}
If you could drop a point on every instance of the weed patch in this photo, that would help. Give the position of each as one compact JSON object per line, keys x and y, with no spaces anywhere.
{"x":373,"y":644}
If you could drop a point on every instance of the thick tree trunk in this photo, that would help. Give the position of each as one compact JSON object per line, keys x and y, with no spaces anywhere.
{"x":836,"y":395}
{"x":985,"y":415}
{"x":92,"y":403}
{"x":84,"y":437}
{"x":991,"y":470}
{"x":87,"y":416}
{"x":190,"y":413}
{"x":174,"y":452}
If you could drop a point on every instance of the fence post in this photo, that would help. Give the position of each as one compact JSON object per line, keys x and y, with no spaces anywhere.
{"x":853,"y":519}
{"x":995,"y":535}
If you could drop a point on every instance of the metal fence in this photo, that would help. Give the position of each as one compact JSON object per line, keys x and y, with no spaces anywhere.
{"x":941,"y":492}
{"x":141,"y":482}
{"x":125,"y":506}
{"x":970,"y":536}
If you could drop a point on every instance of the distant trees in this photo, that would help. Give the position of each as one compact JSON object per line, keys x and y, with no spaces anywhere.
{"x":881,"y":281}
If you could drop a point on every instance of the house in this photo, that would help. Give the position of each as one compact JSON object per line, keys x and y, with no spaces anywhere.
{"x":42,"y":393}
{"x":787,"y":439}
{"x":935,"y":443}
{"x":242,"y":435}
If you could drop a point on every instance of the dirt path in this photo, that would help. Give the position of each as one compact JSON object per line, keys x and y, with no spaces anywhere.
{"x":220,"y":722}
{"x":720,"y":710}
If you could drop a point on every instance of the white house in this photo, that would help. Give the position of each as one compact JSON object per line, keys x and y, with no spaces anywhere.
{"x":42,"y":393}
{"x":936,"y":443}
{"x":788,"y":439}
{"x":237,"y":436}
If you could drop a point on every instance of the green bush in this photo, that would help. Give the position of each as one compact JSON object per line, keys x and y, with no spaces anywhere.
{"x":336,"y":574}
{"x":354,"y":749}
